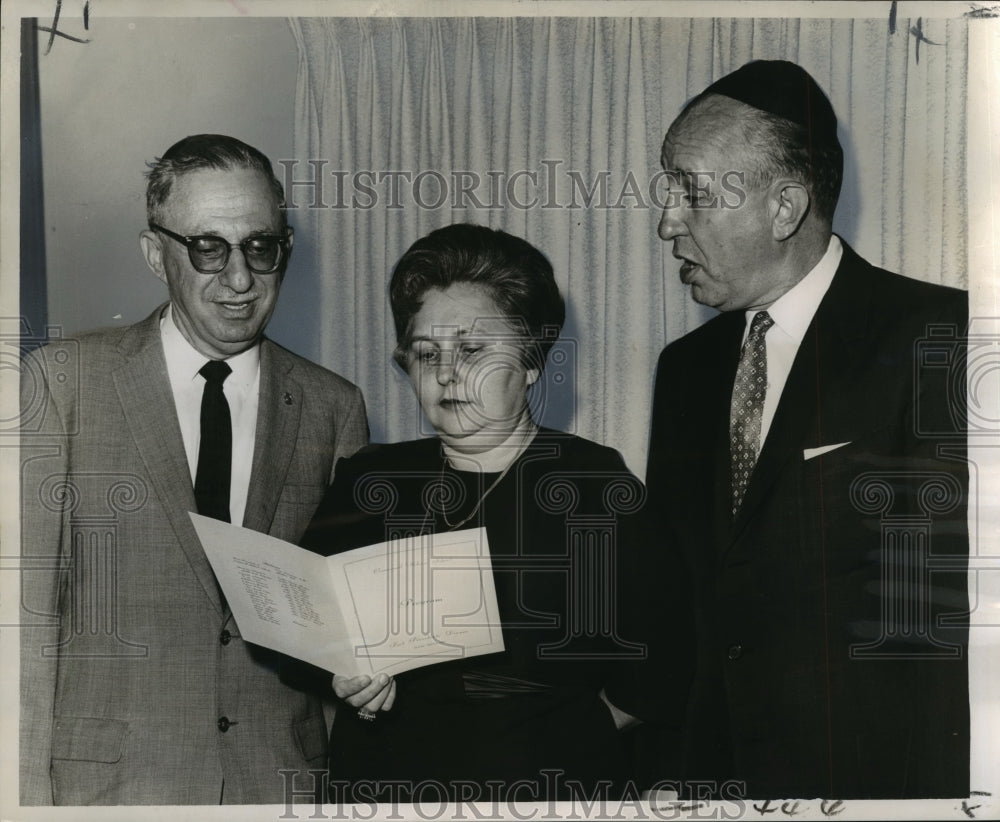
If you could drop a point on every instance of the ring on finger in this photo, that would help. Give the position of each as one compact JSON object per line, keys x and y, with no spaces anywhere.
{"x":365,"y":714}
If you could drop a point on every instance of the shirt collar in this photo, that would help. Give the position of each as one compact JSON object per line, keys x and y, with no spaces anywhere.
{"x":184,"y":359}
{"x":793,"y":311}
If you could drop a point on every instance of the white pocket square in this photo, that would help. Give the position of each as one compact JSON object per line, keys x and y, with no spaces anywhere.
{"x":809,"y":453}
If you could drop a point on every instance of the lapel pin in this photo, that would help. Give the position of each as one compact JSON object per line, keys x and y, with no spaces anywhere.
{"x":287,"y":398}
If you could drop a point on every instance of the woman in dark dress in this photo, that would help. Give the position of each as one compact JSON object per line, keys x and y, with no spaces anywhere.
{"x":476,"y":312}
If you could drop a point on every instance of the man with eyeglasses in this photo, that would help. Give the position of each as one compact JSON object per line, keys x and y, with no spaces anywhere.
{"x":137,"y":687}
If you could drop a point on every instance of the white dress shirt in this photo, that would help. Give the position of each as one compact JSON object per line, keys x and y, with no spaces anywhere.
{"x":792,"y":312}
{"x":241,"y":389}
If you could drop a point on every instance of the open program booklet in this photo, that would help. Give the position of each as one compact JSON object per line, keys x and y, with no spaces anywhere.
{"x":384,"y":608}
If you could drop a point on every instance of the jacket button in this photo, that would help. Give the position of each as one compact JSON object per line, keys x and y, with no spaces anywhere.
{"x":225,"y":637}
{"x":735,"y":652}
{"x":223,"y":723}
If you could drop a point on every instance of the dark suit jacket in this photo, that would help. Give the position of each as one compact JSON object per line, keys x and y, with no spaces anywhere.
{"x":136,"y":687}
{"x":826,"y":664}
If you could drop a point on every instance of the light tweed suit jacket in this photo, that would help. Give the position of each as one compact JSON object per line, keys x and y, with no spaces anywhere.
{"x":136,"y":687}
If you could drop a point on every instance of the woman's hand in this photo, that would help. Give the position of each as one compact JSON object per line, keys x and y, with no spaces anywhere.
{"x":366,"y":693}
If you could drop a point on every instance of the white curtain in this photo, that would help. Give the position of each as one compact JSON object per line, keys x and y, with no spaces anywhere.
{"x":550,"y":128}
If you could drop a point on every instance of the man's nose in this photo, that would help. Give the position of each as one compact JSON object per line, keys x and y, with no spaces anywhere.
{"x":671,"y":225}
{"x":237,"y":275}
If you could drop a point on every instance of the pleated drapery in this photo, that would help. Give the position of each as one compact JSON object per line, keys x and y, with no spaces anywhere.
{"x":550,"y":128}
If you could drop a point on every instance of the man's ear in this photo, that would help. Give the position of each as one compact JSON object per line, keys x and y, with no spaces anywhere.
{"x":152,"y":249}
{"x":790,"y":203}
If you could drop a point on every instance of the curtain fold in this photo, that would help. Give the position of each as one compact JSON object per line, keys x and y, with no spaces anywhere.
{"x":550,"y":128}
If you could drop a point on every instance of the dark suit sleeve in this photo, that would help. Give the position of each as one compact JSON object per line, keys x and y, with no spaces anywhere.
{"x":918,"y":498}
{"x":656,"y":612}
{"x":936,"y":493}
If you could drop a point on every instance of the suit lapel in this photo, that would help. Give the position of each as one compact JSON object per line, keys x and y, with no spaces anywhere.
{"x":278,"y":413}
{"x":142,"y":384}
{"x":824,"y":362}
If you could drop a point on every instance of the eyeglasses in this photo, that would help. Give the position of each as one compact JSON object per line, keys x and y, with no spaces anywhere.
{"x":492,"y":350}
{"x":209,"y":254}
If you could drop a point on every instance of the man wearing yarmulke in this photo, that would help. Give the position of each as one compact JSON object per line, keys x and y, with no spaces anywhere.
{"x":808,"y":457}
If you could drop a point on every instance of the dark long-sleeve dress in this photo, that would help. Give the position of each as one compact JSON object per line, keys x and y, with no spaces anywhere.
{"x":561,"y":525}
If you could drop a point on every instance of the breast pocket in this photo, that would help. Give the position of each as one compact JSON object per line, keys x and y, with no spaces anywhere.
{"x":844,"y":457}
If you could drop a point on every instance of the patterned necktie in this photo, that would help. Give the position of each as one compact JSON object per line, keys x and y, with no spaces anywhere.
{"x":215,"y":454}
{"x":747,"y":407}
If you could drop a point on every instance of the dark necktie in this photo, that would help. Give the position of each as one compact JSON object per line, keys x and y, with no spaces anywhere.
{"x":215,"y":454}
{"x":747,"y":407}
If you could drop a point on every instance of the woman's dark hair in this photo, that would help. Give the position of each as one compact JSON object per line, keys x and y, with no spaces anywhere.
{"x":517,"y":276}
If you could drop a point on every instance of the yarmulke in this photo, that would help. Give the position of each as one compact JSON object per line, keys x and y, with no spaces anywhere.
{"x":783,"y":89}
